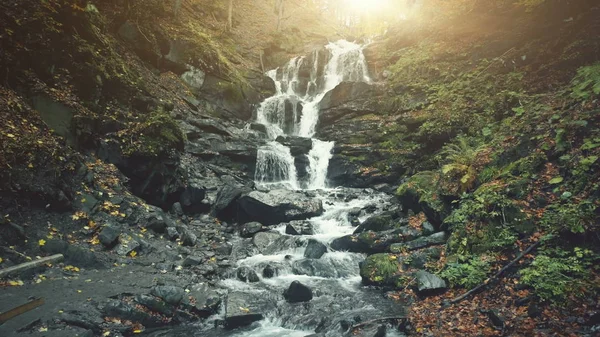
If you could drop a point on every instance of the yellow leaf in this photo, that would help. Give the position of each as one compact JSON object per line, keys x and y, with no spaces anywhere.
{"x":133,"y":253}
{"x":10,"y":135}
{"x":246,"y":310}
{"x":30,"y":165}
{"x":138,"y":331}
{"x":106,"y":333}
{"x":16,"y":283}
{"x":43,"y":329}
{"x":60,"y":311}
{"x":79,"y":291}
{"x":42,"y":242}
{"x":1,"y":260}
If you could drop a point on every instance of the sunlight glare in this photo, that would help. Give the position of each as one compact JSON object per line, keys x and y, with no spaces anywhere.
{"x":363,"y":6}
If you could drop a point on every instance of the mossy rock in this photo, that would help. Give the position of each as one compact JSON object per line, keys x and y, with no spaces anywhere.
{"x":421,"y":194}
{"x":156,"y":136}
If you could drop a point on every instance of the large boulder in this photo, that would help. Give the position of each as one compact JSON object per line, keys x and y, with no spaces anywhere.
{"x":315,"y":249}
{"x":277,"y":206}
{"x":348,"y":98}
{"x":298,"y":292}
{"x":225,"y":205}
{"x":191,"y":199}
{"x":377,"y":223}
{"x":246,"y":274}
{"x":249,"y":229}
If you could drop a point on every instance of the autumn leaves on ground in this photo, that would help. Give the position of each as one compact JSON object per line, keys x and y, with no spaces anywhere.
{"x":486,"y":118}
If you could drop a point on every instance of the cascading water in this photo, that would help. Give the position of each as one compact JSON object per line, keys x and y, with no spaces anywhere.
{"x":294,"y":111}
{"x":334,"y":277}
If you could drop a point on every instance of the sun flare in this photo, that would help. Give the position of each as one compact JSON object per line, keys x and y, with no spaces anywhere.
{"x":363,"y":6}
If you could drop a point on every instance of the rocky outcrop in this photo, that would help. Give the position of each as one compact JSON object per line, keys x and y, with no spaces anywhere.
{"x":348,"y":100}
{"x":277,"y":206}
{"x":375,"y":242}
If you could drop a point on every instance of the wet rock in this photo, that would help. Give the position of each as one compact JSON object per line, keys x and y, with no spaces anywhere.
{"x":125,"y":311}
{"x":422,"y":242}
{"x":299,"y":228}
{"x":298,"y":145}
{"x":269,"y":271}
{"x":155,"y":304}
{"x":249,"y":229}
{"x":192,"y":261}
{"x":188,"y":238}
{"x":376,"y":223}
{"x":224,"y":249}
{"x":277,"y":206}
{"x":177,"y":209}
{"x":241,"y":309}
{"x":172,"y":233}
{"x":374,"y":242}
{"x":170,"y":294}
{"x":298,"y":292}
{"x":271,"y":242}
{"x":109,"y":236}
{"x":245,"y":274}
{"x":225,"y":204}
{"x":323,"y":268}
{"x":191,"y":199}
{"x":156,"y":221}
{"x":206,"y":301}
{"x":127,"y":244}
{"x":427,"y":282}
{"x":75,"y":255}
{"x":315,"y":249}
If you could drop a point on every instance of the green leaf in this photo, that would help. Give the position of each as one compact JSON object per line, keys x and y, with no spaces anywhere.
{"x":556,"y":180}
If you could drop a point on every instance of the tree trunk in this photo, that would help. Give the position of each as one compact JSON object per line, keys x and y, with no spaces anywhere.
{"x":230,"y":16}
{"x":177,"y":7}
{"x":279,"y":14}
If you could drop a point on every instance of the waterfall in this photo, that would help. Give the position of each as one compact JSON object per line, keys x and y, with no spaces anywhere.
{"x":294,"y":111}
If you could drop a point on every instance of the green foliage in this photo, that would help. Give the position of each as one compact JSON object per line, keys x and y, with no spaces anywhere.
{"x":460,"y":159}
{"x":587,"y":82}
{"x":569,"y":216}
{"x":556,"y":274}
{"x":156,"y":136}
{"x":381,"y":269}
{"x":468,"y":272}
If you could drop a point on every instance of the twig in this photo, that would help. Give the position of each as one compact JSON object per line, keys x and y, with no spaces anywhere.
{"x":493,"y":62}
{"x":497,"y":275}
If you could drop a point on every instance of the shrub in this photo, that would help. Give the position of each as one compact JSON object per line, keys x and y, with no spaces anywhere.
{"x":468,"y":272}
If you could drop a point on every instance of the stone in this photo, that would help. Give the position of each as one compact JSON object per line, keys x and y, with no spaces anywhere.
{"x":224,"y":249}
{"x":155,"y":304}
{"x":277,"y":206}
{"x":249,"y":229}
{"x":427,"y":282}
{"x":376,"y":223}
{"x":271,"y":242}
{"x":206,"y":300}
{"x":191,"y":261}
{"x":109,"y":236}
{"x":126,"y":311}
{"x":172,"y":233}
{"x":191,"y":199}
{"x":269,"y":271}
{"x":241,"y":309}
{"x":315,"y":249}
{"x":225,"y":204}
{"x":170,"y":294}
{"x":246,"y":274}
{"x":177,"y":209}
{"x":419,"y":243}
{"x":188,"y":238}
{"x":127,"y":244}
{"x":298,"y":145}
{"x":299,"y":228}
{"x":374,"y":242}
{"x":298,"y":292}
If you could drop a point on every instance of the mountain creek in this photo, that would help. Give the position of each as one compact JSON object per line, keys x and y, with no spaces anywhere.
{"x":299,"y":168}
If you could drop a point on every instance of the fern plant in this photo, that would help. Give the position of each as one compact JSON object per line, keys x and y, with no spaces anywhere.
{"x":459,"y":159}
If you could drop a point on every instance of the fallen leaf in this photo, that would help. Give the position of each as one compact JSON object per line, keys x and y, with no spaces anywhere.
{"x":42,"y":242}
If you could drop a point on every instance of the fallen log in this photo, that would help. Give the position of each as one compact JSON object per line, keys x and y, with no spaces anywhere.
{"x":496,"y":276}
{"x":30,"y":265}
{"x":4,"y":317}
{"x":377,"y":320}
